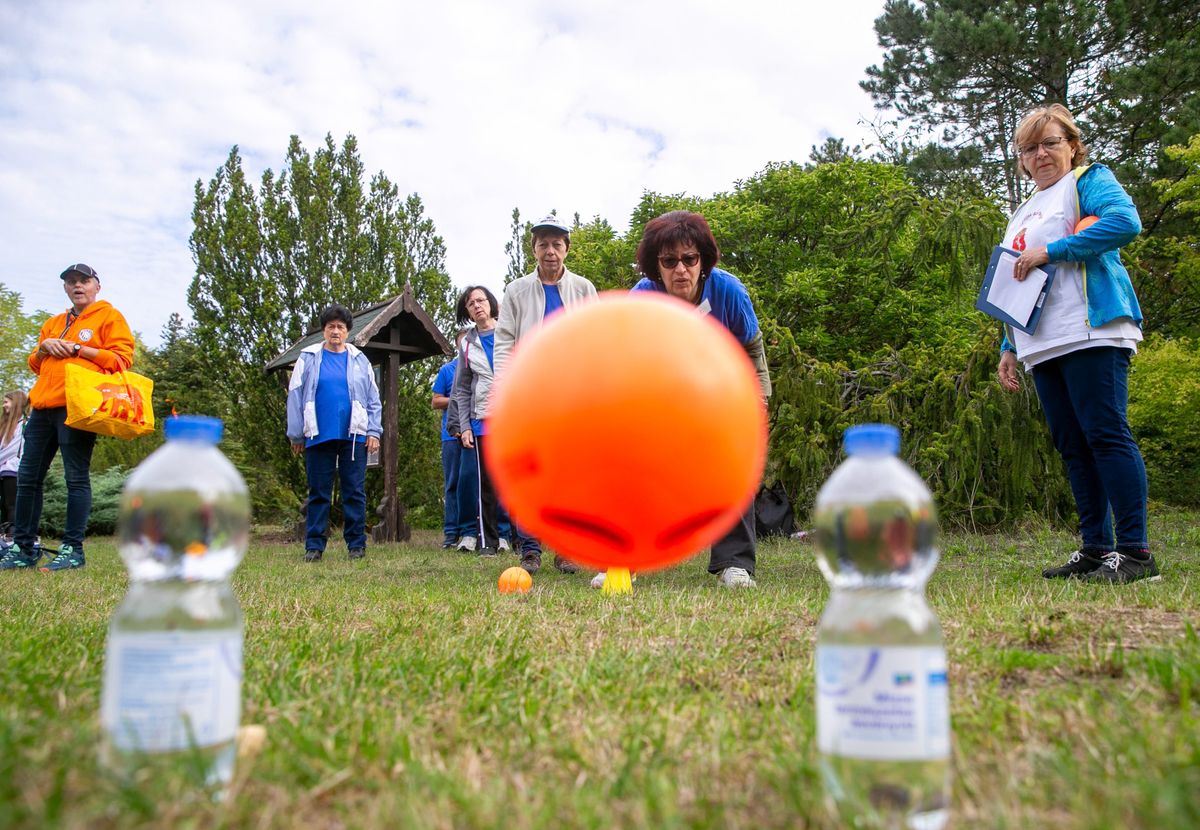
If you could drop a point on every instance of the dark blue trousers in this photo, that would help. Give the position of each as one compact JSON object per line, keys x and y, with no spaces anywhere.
{"x":1084,"y":395}
{"x":46,"y":432}
{"x":451,"y":453}
{"x":320,"y":462}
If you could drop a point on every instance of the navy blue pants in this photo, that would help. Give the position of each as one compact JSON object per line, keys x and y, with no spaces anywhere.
{"x":320,"y":462}
{"x":1084,"y":395}
{"x":451,"y":453}
{"x":46,"y":432}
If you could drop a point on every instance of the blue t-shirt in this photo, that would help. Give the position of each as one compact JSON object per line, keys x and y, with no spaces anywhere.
{"x":488,"y":341}
{"x":443,"y":384}
{"x":333,"y":399}
{"x":728,"y":303}
{"x":553,"y":300}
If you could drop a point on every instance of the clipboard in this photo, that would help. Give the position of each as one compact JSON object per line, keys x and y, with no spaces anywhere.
{"x":1028,"y":326}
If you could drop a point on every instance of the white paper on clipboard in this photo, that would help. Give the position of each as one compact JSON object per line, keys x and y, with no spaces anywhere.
{"x":1015,"y":298}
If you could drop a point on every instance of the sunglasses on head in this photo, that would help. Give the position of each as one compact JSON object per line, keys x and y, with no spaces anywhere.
{"x":669,"y":262}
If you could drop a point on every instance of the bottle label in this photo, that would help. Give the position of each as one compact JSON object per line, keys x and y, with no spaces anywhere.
{"x":166,"y":691}
{"x":883,"y":704}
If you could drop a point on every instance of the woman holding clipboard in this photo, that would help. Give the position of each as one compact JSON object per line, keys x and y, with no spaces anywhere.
{"x":1079,"y":354}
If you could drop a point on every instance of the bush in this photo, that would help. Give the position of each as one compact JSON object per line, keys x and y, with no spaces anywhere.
{"x":106,"y":496}
{"x":1164,"y":397}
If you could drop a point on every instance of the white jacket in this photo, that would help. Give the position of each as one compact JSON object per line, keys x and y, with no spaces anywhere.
{"x":365,"y":406}
{"x":524,"y":306}
{"x":10,"y":453}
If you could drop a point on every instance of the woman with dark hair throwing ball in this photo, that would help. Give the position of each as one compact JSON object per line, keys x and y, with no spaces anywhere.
{"x":1079,"y":354}
{"x":334,"y":418}
{"x":678,"y":255}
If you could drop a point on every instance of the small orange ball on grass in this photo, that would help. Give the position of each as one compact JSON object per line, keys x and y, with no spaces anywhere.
{"x":515,"y":581}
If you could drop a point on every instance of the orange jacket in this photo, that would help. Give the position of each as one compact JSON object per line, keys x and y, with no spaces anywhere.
{"x":100,"y":326}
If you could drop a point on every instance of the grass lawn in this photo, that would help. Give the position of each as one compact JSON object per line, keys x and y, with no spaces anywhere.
{"x":405,"y":691}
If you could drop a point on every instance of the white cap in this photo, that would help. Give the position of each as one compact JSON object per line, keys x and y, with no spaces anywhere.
{"x":551,"y":223}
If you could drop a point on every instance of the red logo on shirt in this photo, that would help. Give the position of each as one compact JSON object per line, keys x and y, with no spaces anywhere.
{"x":1019,"y":241}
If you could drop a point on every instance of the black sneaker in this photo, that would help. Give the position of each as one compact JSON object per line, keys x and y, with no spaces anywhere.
{"x":1119,"y":568}
{"x":313,"y":555}
{"x":487,"y":552}
{"x":565,"y":566}
{"x":1079,"y":565}
{"x":357,"y":553}
{"x":531,"y":562}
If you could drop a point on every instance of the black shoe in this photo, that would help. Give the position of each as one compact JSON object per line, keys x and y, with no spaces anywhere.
{"x":531,"y":562}
{"x":1119,"y":568}
{"x":1079,"y":565}
{"x":449,"y":543}
{"x":487,"y":552}
{"x":313,"y":555}
{"x":565,"y":566}
{"x":357,"y":553}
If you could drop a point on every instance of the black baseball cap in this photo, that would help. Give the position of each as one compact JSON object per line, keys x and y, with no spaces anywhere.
{"x":79,"y":268}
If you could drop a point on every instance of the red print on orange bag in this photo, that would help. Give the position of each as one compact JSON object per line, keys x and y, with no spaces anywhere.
{"x":121,"y":402}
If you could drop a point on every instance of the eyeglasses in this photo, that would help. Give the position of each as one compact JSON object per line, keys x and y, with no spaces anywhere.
{"x":1048,"y":144}
{"x":669,"y":262}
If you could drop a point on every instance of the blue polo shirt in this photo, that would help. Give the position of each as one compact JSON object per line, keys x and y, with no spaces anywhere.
{"x":554,"y":301}
{"x":443,"y":384}
{"x":728,"y":303}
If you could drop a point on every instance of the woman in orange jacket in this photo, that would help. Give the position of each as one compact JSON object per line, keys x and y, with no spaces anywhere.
{"x":93,"y":334}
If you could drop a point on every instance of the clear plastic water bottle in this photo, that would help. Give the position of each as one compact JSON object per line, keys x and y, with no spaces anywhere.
{"x":173,"y":668}
{"x":883,"y":720}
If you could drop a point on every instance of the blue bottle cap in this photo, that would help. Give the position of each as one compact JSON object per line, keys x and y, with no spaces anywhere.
{"x":202,"y":428}
{"x":871,"y":439}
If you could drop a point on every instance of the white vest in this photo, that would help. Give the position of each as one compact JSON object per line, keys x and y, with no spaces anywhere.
{"x":1047,"y":216}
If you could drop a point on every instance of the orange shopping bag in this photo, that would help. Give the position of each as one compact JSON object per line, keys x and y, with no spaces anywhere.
{"x":116,"y":404}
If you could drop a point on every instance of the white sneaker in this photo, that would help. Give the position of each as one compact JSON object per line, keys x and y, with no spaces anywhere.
{"x":598,"y":580}
{"x":736,"y":578}
{"x":503,"y":544}
{"x":466,"y":543}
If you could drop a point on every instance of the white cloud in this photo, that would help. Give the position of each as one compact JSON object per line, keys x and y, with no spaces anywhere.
{"x":109,"y":112}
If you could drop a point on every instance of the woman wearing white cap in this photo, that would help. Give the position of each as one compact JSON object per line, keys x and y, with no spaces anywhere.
{"x":528,"y":302}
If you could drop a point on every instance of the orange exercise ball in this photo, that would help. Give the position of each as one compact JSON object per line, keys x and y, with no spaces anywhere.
{"x":1085,"y":223}
{"x":515,"y":581}
{"x":629,"y":432}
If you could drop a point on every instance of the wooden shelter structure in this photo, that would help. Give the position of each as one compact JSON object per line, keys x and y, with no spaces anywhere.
{"x":391,"y":333}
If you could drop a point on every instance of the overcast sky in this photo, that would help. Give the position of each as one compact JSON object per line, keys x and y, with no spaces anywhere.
{"x":110,"y":112}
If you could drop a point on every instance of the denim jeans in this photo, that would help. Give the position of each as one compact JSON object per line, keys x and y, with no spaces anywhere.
{"x":1084,"y":395}
{"x":451,"y":452}
{"x":320,"y":461}
{"x":46,"y":433}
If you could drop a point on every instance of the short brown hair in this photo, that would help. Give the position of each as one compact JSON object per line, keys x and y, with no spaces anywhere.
{"x":1035,"y":123}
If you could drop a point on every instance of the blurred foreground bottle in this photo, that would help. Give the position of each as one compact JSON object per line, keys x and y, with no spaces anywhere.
{"x":883,"y":721}
{"x":173,"y":669}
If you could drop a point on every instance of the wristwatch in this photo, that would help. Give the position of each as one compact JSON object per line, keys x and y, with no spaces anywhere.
{"x":77,"y":348}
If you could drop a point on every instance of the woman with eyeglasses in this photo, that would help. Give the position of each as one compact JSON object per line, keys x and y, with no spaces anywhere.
{"x":678,"y":255}
{"x":1079,"y":355}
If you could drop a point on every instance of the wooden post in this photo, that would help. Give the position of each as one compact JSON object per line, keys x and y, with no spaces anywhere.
{"x":389,"y":452}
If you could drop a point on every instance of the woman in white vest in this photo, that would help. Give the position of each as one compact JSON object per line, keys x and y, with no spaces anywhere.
{"x":1079,"y":355}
